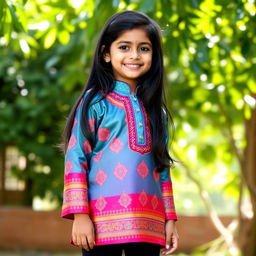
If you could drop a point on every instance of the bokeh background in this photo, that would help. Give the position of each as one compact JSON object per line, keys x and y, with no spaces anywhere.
{"x":46,"y":48}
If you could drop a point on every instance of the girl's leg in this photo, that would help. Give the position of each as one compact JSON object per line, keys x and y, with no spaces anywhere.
{"x":132,"y":249}
{"x":104,"y":250}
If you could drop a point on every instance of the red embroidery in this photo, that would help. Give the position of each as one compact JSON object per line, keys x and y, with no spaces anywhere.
{"x":125,"y":200}
{"x":116,"y":145}
{"x":72,"y":141}
{"x":75,"y":190}
{"x":124,"y":102}
{"x":68,"y":167}
{"x":154,"y":202}
{"x":143,"y":170}
{"x":103,"y":134}
{"x":98,"y":156}
{"x":101,"y":177}
{"x":143,"y":198}
{"x":120,"y":171}
{"x":100,"y":203}
{"x":168,"y":200}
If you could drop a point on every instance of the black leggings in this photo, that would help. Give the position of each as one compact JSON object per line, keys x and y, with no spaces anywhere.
{"x":130,"y":249}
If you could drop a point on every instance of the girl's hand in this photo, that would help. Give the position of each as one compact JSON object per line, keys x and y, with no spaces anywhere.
{"x":171,"y":237}
{"x":83,"y":231}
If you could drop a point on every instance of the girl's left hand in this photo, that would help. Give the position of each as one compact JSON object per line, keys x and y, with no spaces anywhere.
{"x":171,"y":237}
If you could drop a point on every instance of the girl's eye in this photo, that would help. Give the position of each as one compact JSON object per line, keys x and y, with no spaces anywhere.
{"x":144,"y":49}
{"x":124,"y":47}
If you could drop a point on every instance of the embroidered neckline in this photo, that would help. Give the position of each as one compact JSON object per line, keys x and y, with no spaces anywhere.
{"x":124,"y":102}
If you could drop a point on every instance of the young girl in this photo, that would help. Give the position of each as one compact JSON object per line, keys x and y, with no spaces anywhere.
{"x":117,"y":184}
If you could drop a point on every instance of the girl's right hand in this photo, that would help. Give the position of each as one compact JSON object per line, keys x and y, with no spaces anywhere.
{"x":83,"y":231}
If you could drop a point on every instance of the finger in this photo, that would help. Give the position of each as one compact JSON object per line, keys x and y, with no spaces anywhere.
{"x":78,"y":241}
{"x":175,"y":241}
{"x":173,"y":247}
{"x":84,"y":243}
{"x":90,"y":240}
{"x":74,"y":240}
{"x":168,"y":241}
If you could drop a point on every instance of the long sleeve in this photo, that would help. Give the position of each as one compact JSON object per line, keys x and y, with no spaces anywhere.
{"x":167,"y":194}
{"x":167,"y":191}
{"x":75,"y":194}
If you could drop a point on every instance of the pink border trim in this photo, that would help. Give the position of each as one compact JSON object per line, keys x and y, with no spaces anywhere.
{"x":75,"y":195}
{"x":167,"y":193}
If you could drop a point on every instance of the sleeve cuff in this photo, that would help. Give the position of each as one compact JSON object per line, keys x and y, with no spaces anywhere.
{"x":75,"y":195}
{"x":167,"y":194}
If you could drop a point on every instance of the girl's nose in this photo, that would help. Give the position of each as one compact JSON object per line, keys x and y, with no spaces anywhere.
{"x":135,"y":54}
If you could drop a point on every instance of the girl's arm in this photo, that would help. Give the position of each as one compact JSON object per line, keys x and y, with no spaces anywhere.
{"x":170,"y":213}
{"x":171,"y":235}
{"x":75,"y":196}
{"x":167,"y":195}
{"x":166,"y":184}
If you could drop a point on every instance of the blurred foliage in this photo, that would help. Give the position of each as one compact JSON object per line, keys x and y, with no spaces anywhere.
{"x":46,"y":48}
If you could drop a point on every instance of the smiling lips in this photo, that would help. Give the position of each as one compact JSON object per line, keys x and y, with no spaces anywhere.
{"x":133,"y":66}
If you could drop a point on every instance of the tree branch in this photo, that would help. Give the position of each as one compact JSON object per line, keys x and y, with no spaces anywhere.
{"x":228,"y":236}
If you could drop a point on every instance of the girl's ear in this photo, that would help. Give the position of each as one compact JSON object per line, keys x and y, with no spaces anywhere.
{"x":106,"y":56}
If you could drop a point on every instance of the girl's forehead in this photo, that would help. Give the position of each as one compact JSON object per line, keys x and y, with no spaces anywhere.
{"x":135,"y":34}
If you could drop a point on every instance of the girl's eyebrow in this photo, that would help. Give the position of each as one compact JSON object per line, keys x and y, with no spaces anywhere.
{"x":129,"y":42}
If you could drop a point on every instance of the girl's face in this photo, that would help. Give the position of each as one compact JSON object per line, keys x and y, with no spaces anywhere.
{"x":130,"y":56}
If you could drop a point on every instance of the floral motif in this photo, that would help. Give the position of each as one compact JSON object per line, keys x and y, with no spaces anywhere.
{"x":156,"y":175}
{"x":100,"y":203}
{"x":116,"y":145}
{"x":101,"y":177}
{"x":87,"y":147}
{"x":98,"y":156}
{"x":120,"y":171}
{"x":68,"y":167}
{"x":125,"y":200}
{"x":103,"y":134}
{"x":143,"y":170}
{"x":154,"y":201}
{"x":72,"y":141}
{"x":143,"y":198}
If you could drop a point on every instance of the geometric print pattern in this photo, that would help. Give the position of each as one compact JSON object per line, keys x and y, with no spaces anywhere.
{"x":119,"y":216}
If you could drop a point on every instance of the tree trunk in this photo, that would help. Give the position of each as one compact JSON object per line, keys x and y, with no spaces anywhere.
{"x":249,"y":248}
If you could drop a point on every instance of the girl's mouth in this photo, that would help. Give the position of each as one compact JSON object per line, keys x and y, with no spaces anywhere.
{"x":132,"y":66}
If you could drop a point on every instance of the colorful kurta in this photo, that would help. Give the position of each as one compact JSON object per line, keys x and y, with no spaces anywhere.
{"x":115,"y":180}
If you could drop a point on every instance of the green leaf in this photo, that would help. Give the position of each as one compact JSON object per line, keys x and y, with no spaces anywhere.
{"x":64,"y":37}
{"x":147,"y":5}
{"x":207,"y":153}
{"x":16,"y":23}
{"x":195,"y":67}
{"x":50,"y":38}
{"x":52,"y":61}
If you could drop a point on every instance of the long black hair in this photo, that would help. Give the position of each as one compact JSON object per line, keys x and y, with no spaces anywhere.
{"x":150,"y":91}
